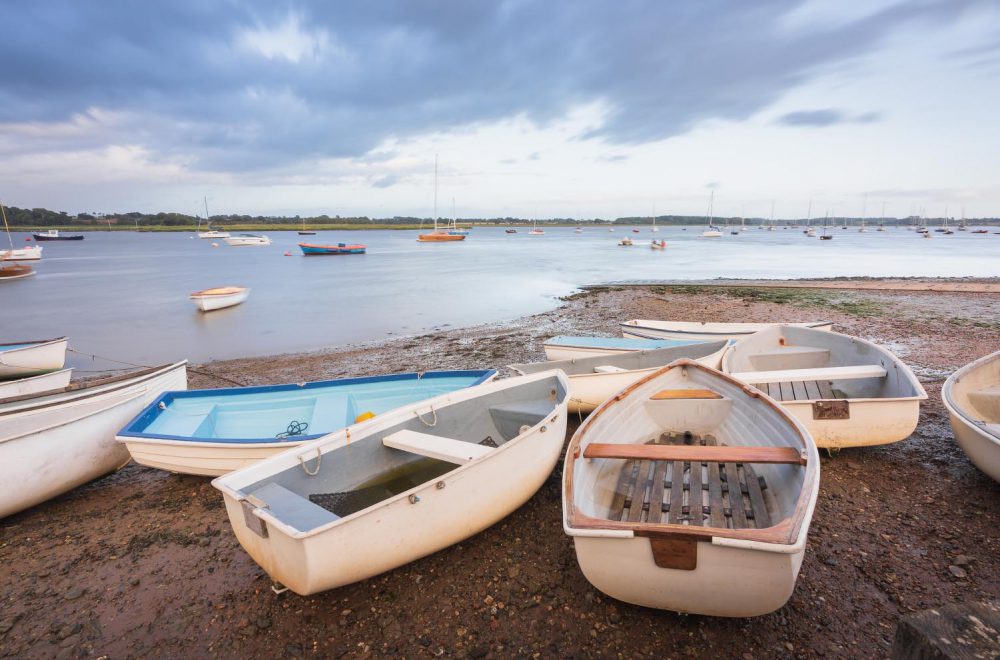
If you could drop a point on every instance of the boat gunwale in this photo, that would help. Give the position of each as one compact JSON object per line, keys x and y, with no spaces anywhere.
{"x":116,"y":400}
{"x":653,"y":353}
{"x":366,"y":426}
{"x":953,"y":407}
{"x":785,"y":533}
{"x":30,"y":344}
{"x":167,"y":398}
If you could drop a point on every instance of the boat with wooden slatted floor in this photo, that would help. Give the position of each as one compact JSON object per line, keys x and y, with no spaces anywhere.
{"x":400,"y":486}
{"x":972,"y":397}
{"x":691,"y":492}
{"x":847,"y":391}
{"x":594,"y":380}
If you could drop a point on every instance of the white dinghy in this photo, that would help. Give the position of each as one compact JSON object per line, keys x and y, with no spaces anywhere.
{"x":648,"y":487}
{"x":220,"y":297}
{"x":30,"y":358}
{"x":650,"y":329}
{"x":54,"y":380}
{"x":398,"y":487}
{"x":54,"y":443}
{"x":847,"y":391}
{"x":565,"y":347}
{"x":594,"y":380}
{"x":972,"y":397}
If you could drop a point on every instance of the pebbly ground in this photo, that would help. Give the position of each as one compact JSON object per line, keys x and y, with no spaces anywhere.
{"x":144,"y":563}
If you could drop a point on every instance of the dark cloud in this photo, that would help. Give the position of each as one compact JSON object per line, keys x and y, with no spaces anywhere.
{"x":826,"y":117}
{"x":336,"y":79}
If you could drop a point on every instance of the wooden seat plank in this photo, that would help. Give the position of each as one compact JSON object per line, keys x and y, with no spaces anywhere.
{"x":685,"y":394}
{"x":694,"y":494}
{"x":821,"y":373}
{"x":812,"y":389}
{"x":736,"y":506}
{"x":728,"y":454}
{"x":676,"y":492}
{"x":761,"y":517}
{"x":435,"y":446}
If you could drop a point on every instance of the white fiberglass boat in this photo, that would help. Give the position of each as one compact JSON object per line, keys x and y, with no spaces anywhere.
{"x":972,"y":397}
{"x":240,"y":240}
{"x":33,"y":253}
{"x":699,"y":331}
{"x":31,"y":358}
{"x":220,"y":297}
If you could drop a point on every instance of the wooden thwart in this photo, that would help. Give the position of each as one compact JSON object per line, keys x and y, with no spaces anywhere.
{"x":434,"y":446}
{"x":695,"y":453}
{"x":823,"y":373}
{"x":685,"y":394}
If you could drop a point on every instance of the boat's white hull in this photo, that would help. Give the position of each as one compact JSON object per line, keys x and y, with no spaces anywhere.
{"x":871,"y":422}
{"x":33,"y":360}
{"x":410,"y":525}
{"x":624,"y":569}
{"x":22,"y":254}
{"x":247,"y":242}
{"x":982,"y":448}
{"x":972,"y":422}
{"x":201,"y":458}
{"x":702,"y":331}
{"x":555,"y":352}
{"x":212,"y":303}
{"x":587,"y":391}
{"x":213,"y":234}
{"x":70,"y":447}
{"x":34,"y":384}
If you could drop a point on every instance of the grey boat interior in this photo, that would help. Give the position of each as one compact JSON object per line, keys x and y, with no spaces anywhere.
{"x":333,"y":483}
{"x":975,"y":392}
{"x":629,"y":361}
{"x":789,"y":347}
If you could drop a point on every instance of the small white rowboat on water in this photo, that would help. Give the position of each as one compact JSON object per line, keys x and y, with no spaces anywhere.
{"x":594,"y":380}
{"x":53,"y":443}
{"x":55,"y":380}
{"x":31,"y":253}
{"x":847,"y":391}
{"x":400,"y":486}
{"x":31,"y":358}
{"x":972,"y":397}
{"x":220,"y":297}
{"x":241,"y":240}
{"x":649,"y":329}
{"x":647,"y":486}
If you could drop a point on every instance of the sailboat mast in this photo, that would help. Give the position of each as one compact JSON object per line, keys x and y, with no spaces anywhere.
{"x":711,"y":202}
{"x":7,"y":228}
{"x":435,"y":192}
{"x":208,"y":218}
{"x":809,"y":213}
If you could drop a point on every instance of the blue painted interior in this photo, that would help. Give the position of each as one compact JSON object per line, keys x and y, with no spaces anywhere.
{"x":259,"y":414}
{"x":14,"y":347}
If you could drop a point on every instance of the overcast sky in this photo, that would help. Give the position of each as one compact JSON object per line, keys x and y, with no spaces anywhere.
{"x":538,"y":109}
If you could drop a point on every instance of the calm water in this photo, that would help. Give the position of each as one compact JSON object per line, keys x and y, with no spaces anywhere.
{"x":124,"y":294}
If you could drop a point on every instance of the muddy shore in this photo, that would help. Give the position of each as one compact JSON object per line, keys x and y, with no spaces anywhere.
{"x":144,"y":562}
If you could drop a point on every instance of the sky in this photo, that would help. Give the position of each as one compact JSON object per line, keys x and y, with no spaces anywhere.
{"x":538,"y":109}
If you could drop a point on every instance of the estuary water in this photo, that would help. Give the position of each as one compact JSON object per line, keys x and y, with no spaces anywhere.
{"x":125,"y":294}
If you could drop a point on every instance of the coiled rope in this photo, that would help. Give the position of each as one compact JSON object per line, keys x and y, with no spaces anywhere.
{"x":295,"y":427}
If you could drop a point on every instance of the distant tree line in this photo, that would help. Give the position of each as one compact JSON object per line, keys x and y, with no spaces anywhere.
{"x":38,"y":217}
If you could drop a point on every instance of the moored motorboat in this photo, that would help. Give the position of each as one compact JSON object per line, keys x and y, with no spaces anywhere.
{"x":213,"y":233}
{"x":308,"y":249}
{"x":243,"y":240}
{"x":648,"y":495}
{"x":972,"y":397}
{"x":398,"y":487}
{"x":220,"y":297}
{"x":30,"y":385}
{"x":594,"y":380}
{"x":847,"y":391}
{"x":31,"y":253}
{"x":568,"y":348}
{"x":54,"y":442}
{"x":54,"y":235}
{"x":650,"y":329}
{"x":15,"y":271}
{"x":31,"y":358}
{"x":212,"y":432}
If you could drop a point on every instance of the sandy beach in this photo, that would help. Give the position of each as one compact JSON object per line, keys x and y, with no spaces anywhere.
{"x":144,"y":563}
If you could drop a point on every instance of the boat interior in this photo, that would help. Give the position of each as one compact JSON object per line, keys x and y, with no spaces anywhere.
{"x":267,"y":414}
{"x":829,"y":365}
{"x":976,"y":393}
{"x":690,"y":448}
{"x":631,"y":361}
{"x":342,"y":479}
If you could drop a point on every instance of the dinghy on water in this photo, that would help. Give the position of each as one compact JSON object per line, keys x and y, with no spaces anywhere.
{"x":54,"y":442}
{"x":649,"y":329}
{"x":647,"y":486}
{"x":33,"y":253}
{"x":243,"y":240}
{"x":569,"y":348}
{"x":212,"y":432}
{"x":594,"y":380}
{"x":847,"y":391}
{"x":972,"y":397}
{"x":220,"y":297}
{"x":401,"y":486}
{"x":31,"y":358}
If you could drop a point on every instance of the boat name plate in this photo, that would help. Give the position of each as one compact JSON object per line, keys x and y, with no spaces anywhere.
{"x":832,"y":409}
{"x":253,"y":523}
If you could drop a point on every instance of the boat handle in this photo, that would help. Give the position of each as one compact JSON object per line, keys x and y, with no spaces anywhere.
{"x":319,"y":463}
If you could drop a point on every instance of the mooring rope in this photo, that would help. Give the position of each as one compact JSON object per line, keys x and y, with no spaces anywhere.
{"x":93,"y":356}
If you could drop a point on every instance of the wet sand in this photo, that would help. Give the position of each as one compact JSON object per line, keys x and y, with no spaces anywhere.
{"x":144,"y":563}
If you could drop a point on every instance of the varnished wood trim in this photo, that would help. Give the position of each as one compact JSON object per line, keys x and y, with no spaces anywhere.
{"x":781,"y":455}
